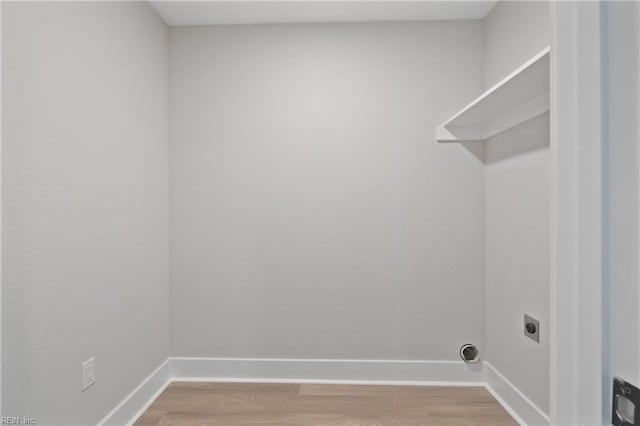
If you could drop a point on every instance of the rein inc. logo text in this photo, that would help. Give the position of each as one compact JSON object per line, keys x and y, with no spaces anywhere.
{"x":17,"y":421}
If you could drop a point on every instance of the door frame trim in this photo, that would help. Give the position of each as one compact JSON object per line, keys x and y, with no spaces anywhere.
{"x":577,"y":313}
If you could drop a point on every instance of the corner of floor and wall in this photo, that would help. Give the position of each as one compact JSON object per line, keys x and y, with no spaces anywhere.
{"x":303,"y":245}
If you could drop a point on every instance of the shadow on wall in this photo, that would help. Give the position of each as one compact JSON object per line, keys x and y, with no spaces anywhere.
{"x":529,"y":136}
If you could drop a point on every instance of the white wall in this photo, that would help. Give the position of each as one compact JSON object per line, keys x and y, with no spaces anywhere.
{"x":517,"y":179}
{"x":84,"y":205}
{"x":313,"y":214}
{"x":514,"y":32}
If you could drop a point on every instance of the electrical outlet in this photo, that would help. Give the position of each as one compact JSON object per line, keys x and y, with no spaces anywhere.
{"x":532,"y":328}
{"x":88,"y":373}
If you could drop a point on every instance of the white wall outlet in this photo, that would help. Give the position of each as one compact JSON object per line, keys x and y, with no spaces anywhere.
{"x":88,"y":373}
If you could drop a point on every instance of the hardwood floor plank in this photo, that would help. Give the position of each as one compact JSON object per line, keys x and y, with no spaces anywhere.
{"x":213,"y":404}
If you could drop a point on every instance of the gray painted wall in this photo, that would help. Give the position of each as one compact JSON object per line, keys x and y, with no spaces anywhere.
{"x":84,"y":205}
{"x":517,"y":179}
{"x":514,"y":32}
{"x":313,"y":214}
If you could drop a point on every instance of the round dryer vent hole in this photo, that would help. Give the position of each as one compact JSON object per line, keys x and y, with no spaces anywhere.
{"x":469,"y":353}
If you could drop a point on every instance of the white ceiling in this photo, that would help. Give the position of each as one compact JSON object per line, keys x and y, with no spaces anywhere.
{"x":262,"y":12}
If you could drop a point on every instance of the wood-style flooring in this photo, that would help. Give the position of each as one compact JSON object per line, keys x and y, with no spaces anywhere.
{"x":312,"y":404}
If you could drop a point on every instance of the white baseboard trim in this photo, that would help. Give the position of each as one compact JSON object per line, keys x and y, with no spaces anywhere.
{"x":521,"y":408}
{"x":139,"y":399}
{"x":333,"y":371}
{"x":407,"y":372}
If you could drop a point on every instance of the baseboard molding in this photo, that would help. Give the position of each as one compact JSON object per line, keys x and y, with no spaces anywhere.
{"x":521,"y":408}
{"x":335,"y":371}
{"x":328,"y":371}
{"x":139,"y":399}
